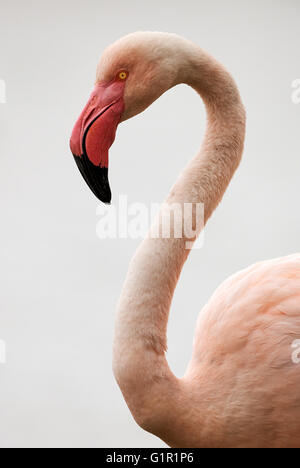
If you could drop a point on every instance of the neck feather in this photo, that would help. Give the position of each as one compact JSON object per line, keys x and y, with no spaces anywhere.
{"x":207,"y":176}
{"x":140,"y":337}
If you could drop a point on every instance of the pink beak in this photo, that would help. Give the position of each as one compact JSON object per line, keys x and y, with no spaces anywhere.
{"x":95,"y":132}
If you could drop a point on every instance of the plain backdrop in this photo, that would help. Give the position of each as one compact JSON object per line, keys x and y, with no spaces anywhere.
{"x":59,"y":281}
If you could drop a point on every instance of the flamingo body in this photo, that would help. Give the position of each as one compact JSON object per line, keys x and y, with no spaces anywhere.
{"x":243,"y":352}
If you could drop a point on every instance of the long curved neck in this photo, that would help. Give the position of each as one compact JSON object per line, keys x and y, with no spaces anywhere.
{"x":207,"y":176}
{"x":140,"y":336}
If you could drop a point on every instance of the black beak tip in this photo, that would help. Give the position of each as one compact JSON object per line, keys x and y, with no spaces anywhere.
{"x":96,"y":178}
{"x":104,"y":198}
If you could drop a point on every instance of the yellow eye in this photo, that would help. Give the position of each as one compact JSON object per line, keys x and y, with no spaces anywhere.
{"x":123,"y":75}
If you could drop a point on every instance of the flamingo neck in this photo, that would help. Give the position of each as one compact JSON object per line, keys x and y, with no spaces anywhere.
{"x":140,"y":335}
{"x":207,"y":176}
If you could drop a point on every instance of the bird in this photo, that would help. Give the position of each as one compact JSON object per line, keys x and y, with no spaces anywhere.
{"x":241,"y":386}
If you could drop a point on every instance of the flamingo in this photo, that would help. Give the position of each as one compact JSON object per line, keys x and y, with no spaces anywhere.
{"x":241,"y":387}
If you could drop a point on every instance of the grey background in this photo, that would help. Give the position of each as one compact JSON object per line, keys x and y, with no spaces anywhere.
{"x":59,"y":282}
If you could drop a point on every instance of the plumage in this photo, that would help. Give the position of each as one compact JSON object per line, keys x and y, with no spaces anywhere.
{"x":241,"y":388}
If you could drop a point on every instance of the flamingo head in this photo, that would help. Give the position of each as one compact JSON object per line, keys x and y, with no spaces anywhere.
{"x":132,"y":73}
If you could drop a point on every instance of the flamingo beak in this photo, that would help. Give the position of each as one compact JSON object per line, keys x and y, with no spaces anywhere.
{"x":94,"y":133}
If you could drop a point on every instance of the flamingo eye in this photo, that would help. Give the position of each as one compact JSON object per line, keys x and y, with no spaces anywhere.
{"x":123,"y":75}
